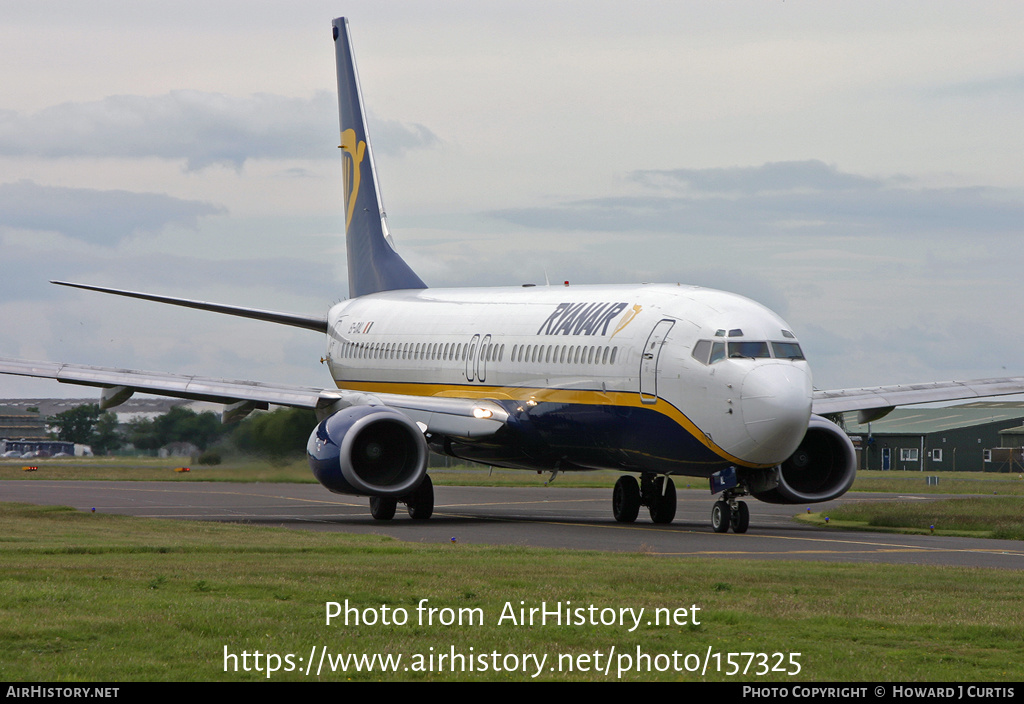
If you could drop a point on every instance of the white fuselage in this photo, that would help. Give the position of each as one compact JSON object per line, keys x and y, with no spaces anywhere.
{"x":687,"y":378}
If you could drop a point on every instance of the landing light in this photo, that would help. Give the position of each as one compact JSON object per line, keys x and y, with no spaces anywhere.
{"x":482,"y":413}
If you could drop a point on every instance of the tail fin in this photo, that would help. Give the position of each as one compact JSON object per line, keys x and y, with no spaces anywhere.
{"x":373,"y":263}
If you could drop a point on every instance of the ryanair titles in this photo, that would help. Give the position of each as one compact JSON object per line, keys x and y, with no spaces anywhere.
{"x":581,"y":318}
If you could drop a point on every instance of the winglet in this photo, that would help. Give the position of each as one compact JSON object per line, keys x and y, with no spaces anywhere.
{"x":373,"y":263}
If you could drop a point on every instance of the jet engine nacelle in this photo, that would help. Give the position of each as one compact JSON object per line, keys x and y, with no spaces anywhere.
{"x":368,"y":451}
{"x":822,"y":468}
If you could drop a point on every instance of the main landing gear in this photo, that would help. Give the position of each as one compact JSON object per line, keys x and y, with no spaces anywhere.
{"x":729,"y":513}
{"x":657,"y":493}
{"x":420,"y":503}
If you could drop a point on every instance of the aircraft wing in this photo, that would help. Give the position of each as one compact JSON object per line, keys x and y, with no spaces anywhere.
{"x":468,"y":418}
{"x":875,"y":401}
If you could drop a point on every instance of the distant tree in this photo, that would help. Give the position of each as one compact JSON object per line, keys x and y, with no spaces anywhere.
{"x":106,"y":437}
{"x":183,"y":425}
{"x":277,"y":434}
{"x":180,"y":424}
{"x":141,"y":434}
{"x":88,"y":425}
{"x":77,"y":424}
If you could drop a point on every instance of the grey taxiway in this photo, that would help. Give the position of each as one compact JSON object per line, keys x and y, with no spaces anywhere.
{"x":550,"y":517}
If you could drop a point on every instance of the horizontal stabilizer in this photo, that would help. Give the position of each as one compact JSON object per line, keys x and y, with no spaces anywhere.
{"x":309,"y":322}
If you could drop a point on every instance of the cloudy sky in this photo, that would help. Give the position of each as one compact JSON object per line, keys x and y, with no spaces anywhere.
{"x":856,"y":166}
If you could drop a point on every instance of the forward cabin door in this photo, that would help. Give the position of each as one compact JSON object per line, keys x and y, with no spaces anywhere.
{"x":649,"y":361}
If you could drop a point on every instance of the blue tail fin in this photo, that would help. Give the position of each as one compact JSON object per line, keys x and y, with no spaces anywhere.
{"x":373,"y":263}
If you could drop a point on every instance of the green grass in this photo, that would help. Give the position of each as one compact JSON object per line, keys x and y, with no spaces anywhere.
{"x":249,"y":469}
{"x":296,"y":470}
{"x":981,"y":517}
{"x":99,"y":597}
{"x":154,"y":469}
{"x":898,"y":482}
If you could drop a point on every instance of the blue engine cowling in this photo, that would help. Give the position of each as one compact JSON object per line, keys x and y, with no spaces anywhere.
{"x":368,"y":451}
{"x":822,"y":468}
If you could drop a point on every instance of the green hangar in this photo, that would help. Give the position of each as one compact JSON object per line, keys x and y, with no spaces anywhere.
{"x":964,"y":438}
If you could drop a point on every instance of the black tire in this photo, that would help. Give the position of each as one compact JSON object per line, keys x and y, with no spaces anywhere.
{"x":626,"y":499}
{"x":383,"y":507}
{"x":421,"y":502}
{"x":740,"y":518}
{"x":663,"y":506}
{"x":721,"y":515}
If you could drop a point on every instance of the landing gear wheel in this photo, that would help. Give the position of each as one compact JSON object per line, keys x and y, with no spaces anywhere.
{"x":663,"y":505}
{"x":721,"y":515}
{"x":421,"y":502}
{"x":383,"y":507}
{"x":626,"y":499}
{"x":740,"y":518}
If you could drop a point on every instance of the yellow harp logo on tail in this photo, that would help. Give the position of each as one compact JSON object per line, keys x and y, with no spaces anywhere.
{"x":355,"y":150}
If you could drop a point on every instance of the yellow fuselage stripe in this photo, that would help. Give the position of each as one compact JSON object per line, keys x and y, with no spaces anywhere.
{"x":523,"y":394}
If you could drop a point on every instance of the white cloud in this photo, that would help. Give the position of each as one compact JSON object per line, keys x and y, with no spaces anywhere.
{"x":99,"y":217}
{"x":200,"y":128}
{"x":775,"y":177}
{"x":805,"y":197}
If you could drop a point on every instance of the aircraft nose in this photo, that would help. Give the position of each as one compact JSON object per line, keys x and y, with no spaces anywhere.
{"x":776,"y":407}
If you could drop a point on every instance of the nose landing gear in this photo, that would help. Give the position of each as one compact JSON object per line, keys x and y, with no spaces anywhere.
{"x":728,"y":513}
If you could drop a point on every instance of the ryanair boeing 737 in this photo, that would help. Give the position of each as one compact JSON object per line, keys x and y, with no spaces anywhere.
{"x":651,"y":380}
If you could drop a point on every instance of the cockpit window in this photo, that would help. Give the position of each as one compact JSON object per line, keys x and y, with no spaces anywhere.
{"x":709,"y":351}
{"x":749,"y":348}
{"x":701,"y":350}
{"x":787,"y":350}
